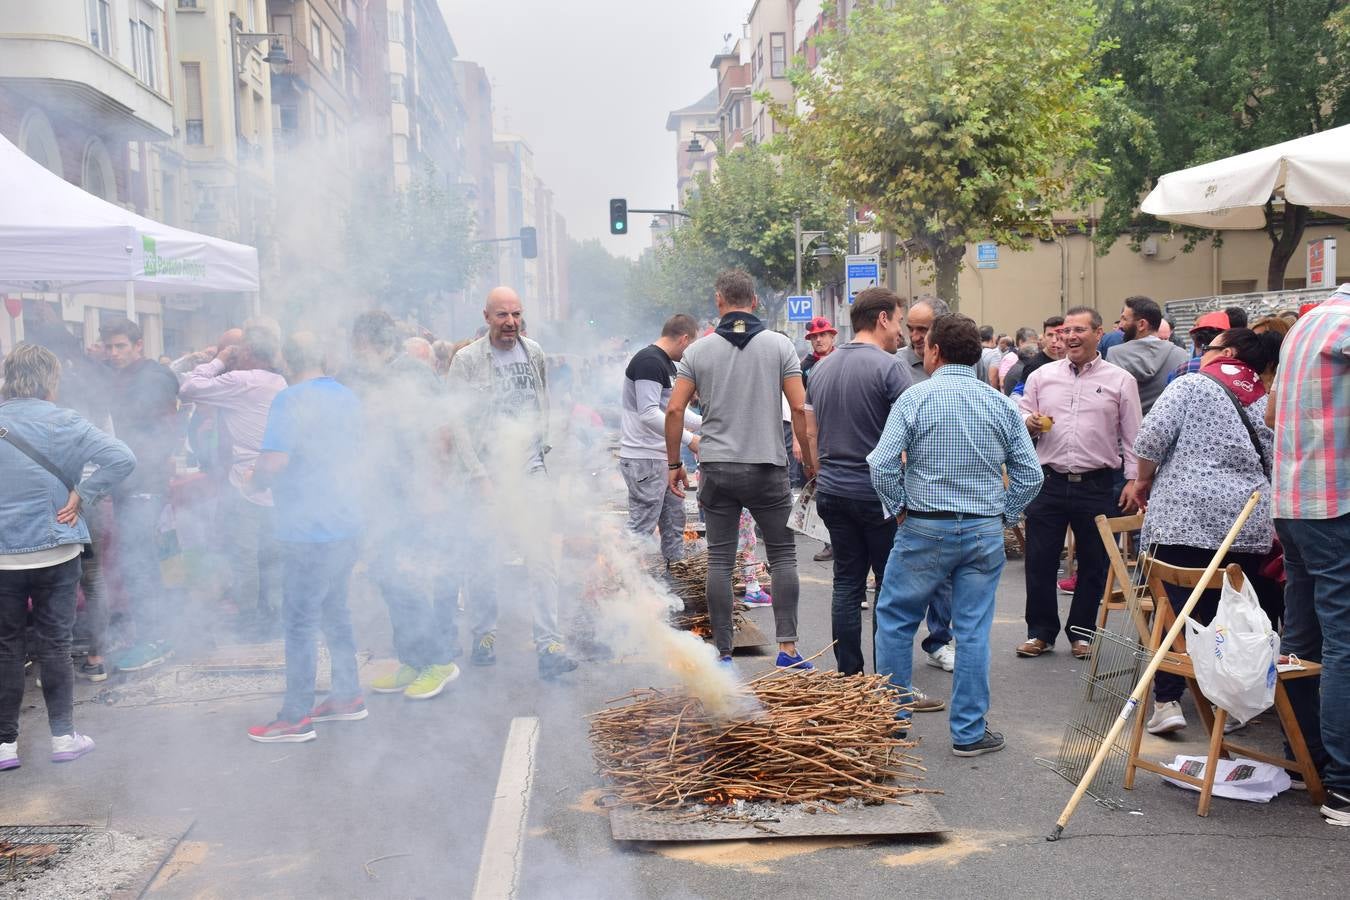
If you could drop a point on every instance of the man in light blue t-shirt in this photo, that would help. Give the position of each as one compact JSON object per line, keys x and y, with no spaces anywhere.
{"x":311,"y":458}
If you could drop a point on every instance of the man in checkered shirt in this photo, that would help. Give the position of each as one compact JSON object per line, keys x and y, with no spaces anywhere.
{"x":938,"y":469}
{"x":1311,"y":506}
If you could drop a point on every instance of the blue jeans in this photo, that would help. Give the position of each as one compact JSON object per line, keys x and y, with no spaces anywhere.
{"x":862,"y":536}
{"x":1317,"y":628}
{"x":314,"y":582}
{"x":965,"y":557}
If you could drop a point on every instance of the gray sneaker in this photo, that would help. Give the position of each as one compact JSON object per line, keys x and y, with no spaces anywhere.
{"x":992,"y":742}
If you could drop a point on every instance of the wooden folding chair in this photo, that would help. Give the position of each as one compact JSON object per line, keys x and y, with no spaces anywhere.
{"x":1178,"y":662}
{"x":1118,"y":580}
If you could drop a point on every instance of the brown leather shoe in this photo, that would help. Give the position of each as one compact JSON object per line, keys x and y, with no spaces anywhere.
{"x":1032,"y":647}
{"x":921,"y":702}
{"x":1081,"y":649}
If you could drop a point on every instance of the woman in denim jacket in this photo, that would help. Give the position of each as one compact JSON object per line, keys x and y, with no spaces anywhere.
{"x":41,"y":537}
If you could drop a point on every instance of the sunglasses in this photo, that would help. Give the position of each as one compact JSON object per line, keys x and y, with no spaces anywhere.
{"x":1208,"y":347}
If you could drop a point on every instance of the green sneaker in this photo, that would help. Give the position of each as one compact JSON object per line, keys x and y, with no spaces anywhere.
{"x":431,"y":681}
{"x":144,"y":656}
{"x":395,"y":681}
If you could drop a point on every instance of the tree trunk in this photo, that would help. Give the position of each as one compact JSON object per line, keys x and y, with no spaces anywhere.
{"x":947,"y":266}
{"x":1285,"y":230}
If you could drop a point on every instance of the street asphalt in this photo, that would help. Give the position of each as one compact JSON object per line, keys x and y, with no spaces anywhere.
{"x":398,"y":805}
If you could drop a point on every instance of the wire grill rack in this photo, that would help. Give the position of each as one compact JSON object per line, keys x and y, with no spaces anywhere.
{"x":26,"y":848}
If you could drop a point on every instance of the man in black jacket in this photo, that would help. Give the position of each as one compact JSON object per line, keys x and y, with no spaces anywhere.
{"x":143,"y":403}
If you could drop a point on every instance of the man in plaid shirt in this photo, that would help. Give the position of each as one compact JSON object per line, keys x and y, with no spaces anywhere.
{"x":1311,"y":505}
{"x":938,"y":469}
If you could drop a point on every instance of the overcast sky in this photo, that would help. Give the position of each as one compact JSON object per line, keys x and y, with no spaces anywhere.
{"x":588,"y":84}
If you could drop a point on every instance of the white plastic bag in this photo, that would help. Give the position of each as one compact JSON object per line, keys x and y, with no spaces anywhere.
{"x":1234,"y":656}
{"x":804,"y":518}
{"x":1237,"y":779}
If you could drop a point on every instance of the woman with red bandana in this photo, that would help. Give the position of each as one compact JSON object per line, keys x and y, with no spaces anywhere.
{"x":1203,"y":449}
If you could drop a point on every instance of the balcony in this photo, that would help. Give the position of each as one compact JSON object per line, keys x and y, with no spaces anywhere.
{"x":62,"y":72}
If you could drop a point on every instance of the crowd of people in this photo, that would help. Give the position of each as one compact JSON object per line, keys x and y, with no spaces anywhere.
{"x":922,"y":439}
{"x":922,"y":455}
{"x":313,"y":467}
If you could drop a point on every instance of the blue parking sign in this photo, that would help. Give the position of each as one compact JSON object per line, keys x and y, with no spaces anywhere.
{"x":800,"y":309}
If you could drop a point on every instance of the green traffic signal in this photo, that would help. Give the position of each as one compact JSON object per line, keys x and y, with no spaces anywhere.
{"x":618,"y":216}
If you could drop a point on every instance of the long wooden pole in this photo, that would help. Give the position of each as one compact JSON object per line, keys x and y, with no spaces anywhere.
{"x":1147,"y":678}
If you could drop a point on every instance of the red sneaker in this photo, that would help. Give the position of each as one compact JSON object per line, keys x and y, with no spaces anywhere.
{"x":331,"y":710}
{"x":282,"y":731}
{"x":1068,"y":585}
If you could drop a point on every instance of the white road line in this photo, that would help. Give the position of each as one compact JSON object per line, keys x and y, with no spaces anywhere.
{"x":499,"y":866}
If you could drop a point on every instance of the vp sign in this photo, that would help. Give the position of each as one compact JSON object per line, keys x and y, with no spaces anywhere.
{"x":799,"y":309}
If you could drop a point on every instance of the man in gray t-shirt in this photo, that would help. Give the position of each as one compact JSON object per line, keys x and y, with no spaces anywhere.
{"x":741,"y":372}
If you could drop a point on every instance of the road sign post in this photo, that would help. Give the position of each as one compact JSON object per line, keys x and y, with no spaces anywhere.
{"x":863,"y":271}
{"x":800,"y":309}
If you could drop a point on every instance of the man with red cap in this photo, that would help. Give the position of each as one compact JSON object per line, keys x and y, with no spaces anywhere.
{"x":821,"y":334}
{"x":1205,"y":329}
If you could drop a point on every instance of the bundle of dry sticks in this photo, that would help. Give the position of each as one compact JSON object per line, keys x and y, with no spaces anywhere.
{"x":686,"y":578}
{"x":818,"y":737}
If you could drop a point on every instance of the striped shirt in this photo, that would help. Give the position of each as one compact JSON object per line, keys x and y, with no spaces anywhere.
{"x":956,"y":434}
{"x":1312,"y":414}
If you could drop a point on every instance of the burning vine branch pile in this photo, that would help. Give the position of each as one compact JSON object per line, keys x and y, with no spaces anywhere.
{"x":816,"y":737}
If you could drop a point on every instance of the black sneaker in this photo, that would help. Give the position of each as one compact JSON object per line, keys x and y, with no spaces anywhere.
{"x":92,"y":671}
{"x":484,"y":651}
{"x":554,"y":661}
{"x":1337,"y":808}
{"x":992,"y":742}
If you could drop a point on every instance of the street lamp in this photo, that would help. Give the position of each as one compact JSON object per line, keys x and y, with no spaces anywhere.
{"x":695,"y":145}
{"x":241,"y":45}
{"x":822,"y":254}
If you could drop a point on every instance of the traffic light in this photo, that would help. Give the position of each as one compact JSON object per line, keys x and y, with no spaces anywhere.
{"x":529,"y":243}
{"x":618,"y":216}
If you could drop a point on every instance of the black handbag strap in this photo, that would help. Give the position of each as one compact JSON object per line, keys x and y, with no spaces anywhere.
{"x":1246,"y":422}
{"x":36,"y":456}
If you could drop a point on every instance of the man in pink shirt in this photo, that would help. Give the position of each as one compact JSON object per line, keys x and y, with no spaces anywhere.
{"x":1083,"y":413}
{"x":239,"y":383}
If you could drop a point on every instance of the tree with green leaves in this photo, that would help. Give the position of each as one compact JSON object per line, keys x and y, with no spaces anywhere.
{"x":743,"y":213}
{"x":598,"y":284}
{"x":955,"y":121}
{"x":407,"y":249}
{"x":1207,"y":79}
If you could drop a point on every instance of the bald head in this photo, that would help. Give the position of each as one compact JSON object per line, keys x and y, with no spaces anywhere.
{"x":418,"y":348}
{"x":504,"y":316}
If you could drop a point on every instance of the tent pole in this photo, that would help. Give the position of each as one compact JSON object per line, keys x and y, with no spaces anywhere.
{"x":131,"y":300}
{"x":257,"y":304}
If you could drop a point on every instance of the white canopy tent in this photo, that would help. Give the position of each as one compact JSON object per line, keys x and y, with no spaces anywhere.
{"x":1312,"y":171}
{"x":55,"y":236}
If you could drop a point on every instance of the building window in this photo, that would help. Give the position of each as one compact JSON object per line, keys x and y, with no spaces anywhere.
{"x":335,"y":57}
{"x":100,"y":25}
{"x":289,"y":118}
{"x":144,"y":59}
{"x":191,"y":4}
{"x":397,"y":89}
{"x":777,"y":55}
{"x":320,"y":121}
{"x":316,"y":42}
{"x":194,"y":131}
{"x":396,"y":25}
{"x":759,"y":59}
{"x":282,"y":25}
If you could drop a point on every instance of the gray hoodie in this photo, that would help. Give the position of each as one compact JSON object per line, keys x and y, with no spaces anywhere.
{"x":1150,"y":360}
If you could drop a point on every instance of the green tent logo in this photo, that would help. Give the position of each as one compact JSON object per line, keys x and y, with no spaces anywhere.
{"x":156,"y":265}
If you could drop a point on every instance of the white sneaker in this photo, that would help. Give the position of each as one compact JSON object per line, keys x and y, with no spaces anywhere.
{"x":9,"y":756}
{"x":1166,"y":718}
{"x":943,"y":658}
{"x":67,"y":747}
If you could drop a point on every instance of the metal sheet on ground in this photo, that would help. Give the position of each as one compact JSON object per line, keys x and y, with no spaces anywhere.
{"x":748,"y":637}
{"x":916,"y":816}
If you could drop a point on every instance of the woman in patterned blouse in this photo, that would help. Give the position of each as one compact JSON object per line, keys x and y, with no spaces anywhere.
{"x":1198,"y":464}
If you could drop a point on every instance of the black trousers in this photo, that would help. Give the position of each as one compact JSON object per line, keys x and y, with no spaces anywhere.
{"x":1067,"y":504}
{"x":862,"y":536}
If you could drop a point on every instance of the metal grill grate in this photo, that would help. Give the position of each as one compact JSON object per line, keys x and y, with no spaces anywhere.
{"x":28,"y":848}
